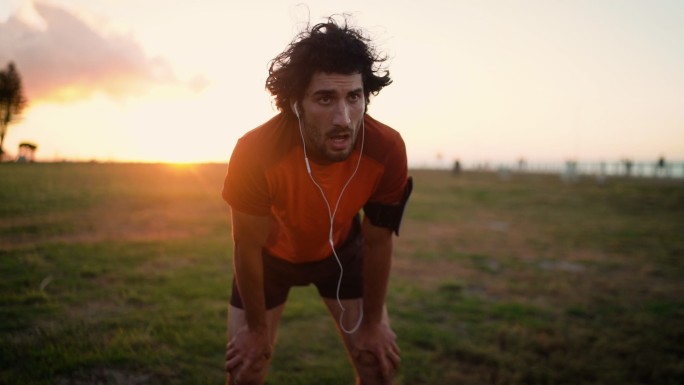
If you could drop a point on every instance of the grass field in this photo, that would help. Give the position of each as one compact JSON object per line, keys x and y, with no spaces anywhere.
{"x":119,"y":274}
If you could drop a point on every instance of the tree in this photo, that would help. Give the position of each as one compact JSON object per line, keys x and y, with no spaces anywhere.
{"x":12,"y":100}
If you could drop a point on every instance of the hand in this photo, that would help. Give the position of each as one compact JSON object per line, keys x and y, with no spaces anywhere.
{"x":376,"y":345}
{"x":247,"y":355}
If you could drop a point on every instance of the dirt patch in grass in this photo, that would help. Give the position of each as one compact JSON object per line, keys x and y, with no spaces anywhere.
{"x":496,"y":258}
{"x":428,"y":275}
{"x":95,"y":310}
{"x":163,"y":263}
{"x":105,"y":224}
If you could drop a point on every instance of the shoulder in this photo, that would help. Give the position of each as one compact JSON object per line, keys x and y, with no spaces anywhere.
{"x":380,"y":131}
{"x":270,"y":139}
{"x":245,"y":186}
{"x":383,"y":141}
{"x":268,"y":132}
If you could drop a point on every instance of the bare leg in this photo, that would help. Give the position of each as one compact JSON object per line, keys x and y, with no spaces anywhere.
{"x":237,"y":320}
{"x":367,"y":367}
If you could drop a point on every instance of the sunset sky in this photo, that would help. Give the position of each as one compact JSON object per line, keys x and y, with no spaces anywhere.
{"x":180,"y":81}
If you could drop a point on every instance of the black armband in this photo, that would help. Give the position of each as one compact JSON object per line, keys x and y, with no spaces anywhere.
{"x":388,"y":216}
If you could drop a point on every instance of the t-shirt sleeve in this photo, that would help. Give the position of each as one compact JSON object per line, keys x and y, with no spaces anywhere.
{"x":245,"y":187}
{"x":393,"y":183}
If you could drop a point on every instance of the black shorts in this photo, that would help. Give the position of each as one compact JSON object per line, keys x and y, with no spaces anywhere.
{"x":280,"y":275}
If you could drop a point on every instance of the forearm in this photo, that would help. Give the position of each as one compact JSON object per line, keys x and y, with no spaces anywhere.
{"x":248,"y":269}
{"x":377,"y":262}
{"x":249,"y":237}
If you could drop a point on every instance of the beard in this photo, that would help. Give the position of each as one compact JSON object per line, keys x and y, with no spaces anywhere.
{"x":332,"y":145}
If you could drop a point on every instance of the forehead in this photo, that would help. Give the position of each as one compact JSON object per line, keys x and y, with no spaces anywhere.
{"x":334,"y":82}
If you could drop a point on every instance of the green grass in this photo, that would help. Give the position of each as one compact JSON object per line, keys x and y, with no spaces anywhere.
{"x":120,"y":274}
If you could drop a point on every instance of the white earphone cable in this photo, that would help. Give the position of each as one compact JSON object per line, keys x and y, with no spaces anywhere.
{"x":331,"y":215}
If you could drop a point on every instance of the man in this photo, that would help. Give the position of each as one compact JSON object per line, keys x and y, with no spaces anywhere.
{"x":296,"y":185}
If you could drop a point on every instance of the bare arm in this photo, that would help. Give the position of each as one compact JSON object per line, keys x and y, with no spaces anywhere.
{"x":249,"y":237}
{"x":375,"y":339}
{"x":377,"y":261}
{"x":250,"y":347}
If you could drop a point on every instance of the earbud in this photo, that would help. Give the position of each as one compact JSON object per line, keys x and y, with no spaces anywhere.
{"x":295,"y":109}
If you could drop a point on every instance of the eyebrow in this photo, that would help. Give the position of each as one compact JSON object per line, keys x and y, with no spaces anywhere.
{"x":330,"y":92}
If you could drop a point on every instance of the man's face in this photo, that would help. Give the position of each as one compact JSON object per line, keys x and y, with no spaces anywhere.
{"x":331,"y":114}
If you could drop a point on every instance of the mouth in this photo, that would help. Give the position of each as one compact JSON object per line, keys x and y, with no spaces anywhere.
{"x":340,"y":140}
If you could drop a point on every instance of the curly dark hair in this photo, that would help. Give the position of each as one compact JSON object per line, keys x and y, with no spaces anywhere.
{"x":326,"y":47}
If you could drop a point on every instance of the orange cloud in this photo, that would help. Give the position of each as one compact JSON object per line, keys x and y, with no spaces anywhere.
{"x":68,"y":59}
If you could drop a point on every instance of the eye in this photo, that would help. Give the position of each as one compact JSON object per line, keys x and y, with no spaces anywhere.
{"x":354,"y":97}
{"x":325,"y":100}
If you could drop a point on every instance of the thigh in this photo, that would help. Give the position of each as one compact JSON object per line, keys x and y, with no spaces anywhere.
{"x":347,"y":314}
{"x":237,"y":319}
{"x":279,"y":277}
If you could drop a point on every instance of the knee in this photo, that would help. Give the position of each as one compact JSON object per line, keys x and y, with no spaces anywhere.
{"x":369,"y":371}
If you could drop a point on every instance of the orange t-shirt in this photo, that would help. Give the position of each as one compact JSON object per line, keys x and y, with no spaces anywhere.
{"x":267,"y":176}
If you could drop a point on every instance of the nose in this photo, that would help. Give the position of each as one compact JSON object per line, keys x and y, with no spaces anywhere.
{"x":342,"y":115}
